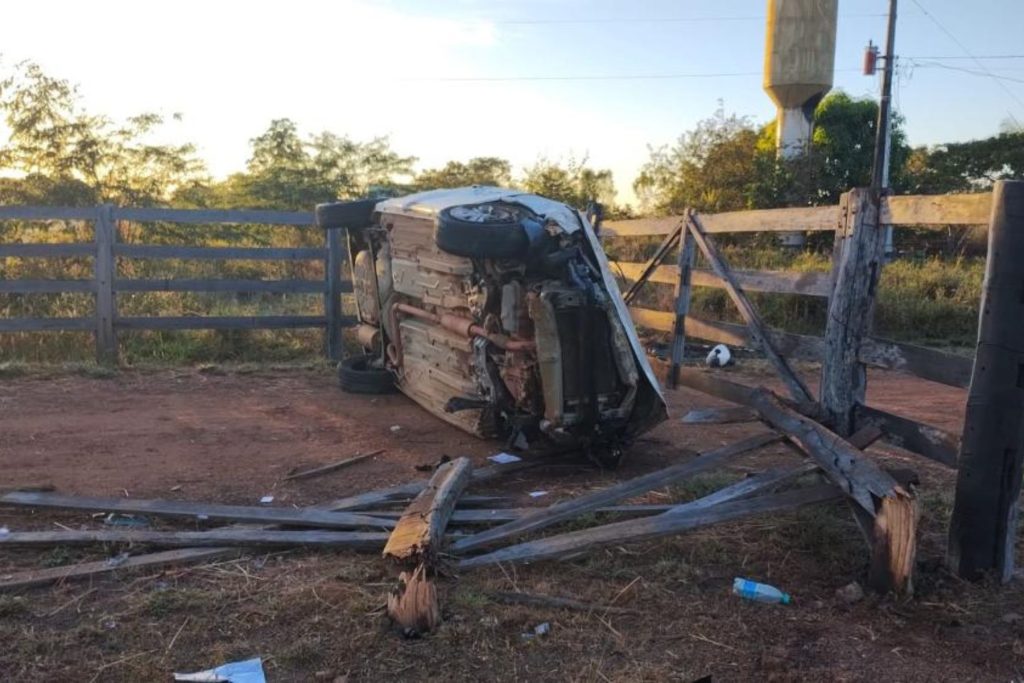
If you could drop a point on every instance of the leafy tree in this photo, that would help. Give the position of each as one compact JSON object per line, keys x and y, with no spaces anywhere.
{"x":62,"y":154}
{"x":725,"y":164}
{"x":575,"y":183}
{"x":971,"y":166}
{"x":710,"y":168}
{"x":476,"y":171}
{"x":286,"y":171}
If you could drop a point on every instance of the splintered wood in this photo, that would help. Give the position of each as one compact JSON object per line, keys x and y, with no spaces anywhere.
{"x":418,"y":533}
{"x":413,"y":605}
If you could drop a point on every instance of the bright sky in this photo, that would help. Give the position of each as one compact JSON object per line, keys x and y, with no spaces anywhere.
{"x":366,"y":68}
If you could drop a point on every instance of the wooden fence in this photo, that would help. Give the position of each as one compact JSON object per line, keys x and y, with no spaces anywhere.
{"x":843,"y":221}
{"x":105,"y":284}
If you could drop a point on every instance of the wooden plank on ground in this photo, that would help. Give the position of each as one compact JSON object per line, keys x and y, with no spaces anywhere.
{"x":175,"y":508}
{"x":720,"y":416}
{"x":937,"y":210}
{"x":413,"y":488}
{"x":652,"y":527}
{"x":931,"y":442}
{"x":758,"y":330}
{"x":43,"y":577}
{"x":355,"y":540}
{"x":418,"y":534}
{"x":333,"y":467}
{"x":559,"y":512}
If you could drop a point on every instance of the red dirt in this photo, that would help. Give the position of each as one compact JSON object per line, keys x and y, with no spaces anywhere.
{"x":232,"y":437}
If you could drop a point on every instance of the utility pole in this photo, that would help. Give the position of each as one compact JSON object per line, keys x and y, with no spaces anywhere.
{"x":883,"y":136}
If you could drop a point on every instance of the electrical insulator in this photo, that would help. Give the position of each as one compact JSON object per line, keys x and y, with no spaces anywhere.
{"x":870,"y":59}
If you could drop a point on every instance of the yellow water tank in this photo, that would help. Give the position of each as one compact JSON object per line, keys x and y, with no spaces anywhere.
{"x":799,"y":55}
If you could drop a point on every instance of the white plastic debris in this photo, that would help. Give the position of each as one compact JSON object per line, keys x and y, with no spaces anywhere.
{"x":248,"y":671}
{"x":266,"y":500}
{"x":504,"y":458}
{"x":396,"y":428}
{"x":4,"y":530}
{"x":719,"y":357}
{"x":538,"y":494}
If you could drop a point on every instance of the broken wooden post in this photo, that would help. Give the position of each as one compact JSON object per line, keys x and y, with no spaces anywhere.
{"x":860,"y":243}
{"x":413,"y":605}
{"x":418,"y":534}
{"x":682,"y":303}
{"x":983,"y":526}
{"x":894,"y":508}
{"x":417,"y":537}
{"x":758,"y":330}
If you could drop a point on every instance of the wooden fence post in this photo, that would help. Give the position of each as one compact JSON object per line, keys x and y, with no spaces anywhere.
{"x":332,"y":296}
{"x":687,"y":254}
{"x":858,"y":259}
{"x":983,"y":526}
{"x":104,"y":267}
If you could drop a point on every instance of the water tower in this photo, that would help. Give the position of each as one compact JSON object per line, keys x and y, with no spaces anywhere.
{"x":799,"y":61}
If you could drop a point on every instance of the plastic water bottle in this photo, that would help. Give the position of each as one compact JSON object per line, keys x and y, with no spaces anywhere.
{"x":759,"y":592}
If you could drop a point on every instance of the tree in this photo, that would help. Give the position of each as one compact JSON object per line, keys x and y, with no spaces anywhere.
{"x":476,"y":171}
{"x":287,"y":172}
{"x":724,"y":164}
{"x":971,"y":166}
{"x":63,"y":154}
{"x":575,"y":183}
{"x":710,"y":168}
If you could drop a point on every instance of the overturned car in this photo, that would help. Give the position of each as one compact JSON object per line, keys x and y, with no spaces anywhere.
{"x":496,"y":311}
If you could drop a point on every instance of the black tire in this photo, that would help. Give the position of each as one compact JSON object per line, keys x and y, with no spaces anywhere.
{"x":357,"y":376}
{"x":354,"y":214}
{"x":498,"y":231}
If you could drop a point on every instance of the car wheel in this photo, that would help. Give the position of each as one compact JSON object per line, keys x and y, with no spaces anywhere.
{"x":354,"y":214}
{"x":356,"y":375}
{"x":490,"y":231}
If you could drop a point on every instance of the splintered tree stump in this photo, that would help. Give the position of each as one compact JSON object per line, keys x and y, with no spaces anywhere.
{"x":419,"y":532}
{"x":412,"y":606}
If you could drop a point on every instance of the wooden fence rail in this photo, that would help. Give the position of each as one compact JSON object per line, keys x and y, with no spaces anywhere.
{"x":844,"y":221}
{"x":105,"y":285}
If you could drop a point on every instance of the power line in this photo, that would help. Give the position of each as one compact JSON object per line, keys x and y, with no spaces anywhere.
{"x":652,"y":20}
{"x":977,"y":61}
{"x":590,"y":77}
{"x":975,"y":57}
{"x":974,"y":72}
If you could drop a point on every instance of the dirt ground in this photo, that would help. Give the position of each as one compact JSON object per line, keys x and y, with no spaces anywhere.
{"x":231,"y":436}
